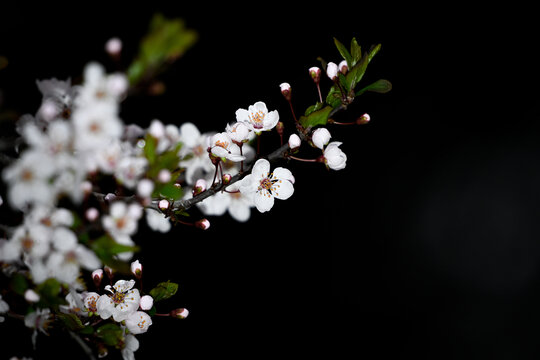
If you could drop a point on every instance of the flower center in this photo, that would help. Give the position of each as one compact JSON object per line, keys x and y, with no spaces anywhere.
{"x":118,"y":297}
{"x":91,"y":303}
{"x":27,"y":175}
{"x":223,"y":144}
{"x":94,"y":127}
{"x":257,"y":119}
{"x":27,"y":243}
{"x":121,"y":223}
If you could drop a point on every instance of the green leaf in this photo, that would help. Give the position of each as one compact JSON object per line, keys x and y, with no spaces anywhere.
{"x":49,"y":294}
{"x":164,"y":290}
{"x":319,"y":117}
{"x":71,"y":321}
{"x":380,"y":86}
{"x":343,"y":51}
{"x":111,"y":334}
{"x":313,"y":108}
{"x":19,"y":284}
{"x":334,"y":97}
{"x":356,"y":52}
{"x":106,"y":249}
{"x":170,"y":191}
{"x":150,"y":148}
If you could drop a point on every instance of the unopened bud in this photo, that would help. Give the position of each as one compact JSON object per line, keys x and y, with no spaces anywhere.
{"x":31,"y":296}
{"x":110,"y":197}
{"x":315,"y":74}
{"x":226,"y":178}
{"x":343,"y":67}
{"x":286,"y":90}
{"x":163,"y":204}
{"x":364,"y":119}
{"x":97,"y":276}
{"x":113,"y":46}
{"x":294,"y":141}
{"x":203,"y":224}
{"x":109,"y":271}
{"x":332,"y":70}
{"x":164,"y":176}
{"x":136,"y":269}
{"x":280,"y":127}
{"x":91,"y":214}
{"x":180,"y":313}
{"x":199,"y":187}
{"x":146,"y":302}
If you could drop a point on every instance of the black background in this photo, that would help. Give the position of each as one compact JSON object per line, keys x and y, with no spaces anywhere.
{"x":426,"y":245}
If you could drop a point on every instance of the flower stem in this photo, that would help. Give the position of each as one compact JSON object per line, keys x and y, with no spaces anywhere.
{"x":319,"y":90}
{"x":332,"y":121}
{"x":303,"y":160}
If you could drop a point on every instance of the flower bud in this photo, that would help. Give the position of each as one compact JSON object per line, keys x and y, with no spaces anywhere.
{"x":136,"y":269}
{"x":343,"y":67}
{"x":364,"y":119}
{"x":164,"y":176}
{"x":294,"y":141}
{"x":156,"y":129}
{"x":332,"y":70}
{"x":315,"y":74}
{"x":199,"y":187}
{"x":280,"y":127}
{"x":109,"y":271}
{"x":286,"y":90}
{"x":163,"y":204}
{"x":91,"y":214}
{"x":320,"y":137}
{"x":97,"y":276}
{"x":31,"y":296}
{"x":146,"y":302}
{"x":203,"y":224}
{"x":113,"y":46}
{"x":110,"y":197}
{"x":180,"y":313}
{"x":226,"y":178}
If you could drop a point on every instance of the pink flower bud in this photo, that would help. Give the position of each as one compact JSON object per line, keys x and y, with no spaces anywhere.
{"x":294,"y":141}
{"x":91,"y":214}
{"x":199,"y":187}
{"x":203,"y":224}
{"x":97,"y":276}
{"x":343,"y":67}
{"x":136,"y":269}
{"x":109,"y":271}
{"x":280,"y":127}
{"x":113,"y":46}
{"x":146,"y":302}
{"x":332,"y":70}
{"x":180,"y":313}
{"x":163,"y":204}
{"x":315,"y":74}
{"x":164,"y":176}
{"x":286,"y":90}
{"x":226,"y":178}
{"x":364,"y":119}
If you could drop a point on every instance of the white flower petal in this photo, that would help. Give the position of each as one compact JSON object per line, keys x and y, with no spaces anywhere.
{"x":263,"y":201}
{"x":260,"y":169}
{"x":105,"y":306}
{"x":284,"y":191}
{"x":124,"y":285}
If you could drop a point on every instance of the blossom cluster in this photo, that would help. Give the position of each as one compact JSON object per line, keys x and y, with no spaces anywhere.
{"x":82,"y":180}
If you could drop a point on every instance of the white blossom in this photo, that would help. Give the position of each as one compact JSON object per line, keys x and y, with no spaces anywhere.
{"x":332,"y":70}
{"x":146,"y":302}
{"x":294,"y":141}
{"x":96,"y":127}
{"x":90,"y":302}
{"x":138,"y":322}
{"x":320,"y":137}
{"x":239,"y":132}
{"x":130,"y":170}
{"x":28,"y":180}
{"x":263,"y":186}
{"x":4,"y":308}
{"x":194,"y":153}
{"x":123,"y":301}
{"x":131,"y":345}
{"x":157,"y":221}
{"x":334,"y":157}
{"x":257,"y":117}
{"x":222,"y":146}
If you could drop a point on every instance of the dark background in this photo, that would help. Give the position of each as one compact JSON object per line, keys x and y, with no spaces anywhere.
{"x":426,"y":245}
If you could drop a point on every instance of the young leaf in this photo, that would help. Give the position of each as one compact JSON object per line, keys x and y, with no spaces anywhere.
{"x":319,"y":117}
{"x":356,"y":52}
{"x":164,"y":291}
{"x":170,"y":192}
{"x":106,"y":249}
{"x":313,"y":108}
{"x":380,"y":86}
{"x":111,"y":334}
{"x":343,"y":51}
{"x":71,"y":321}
